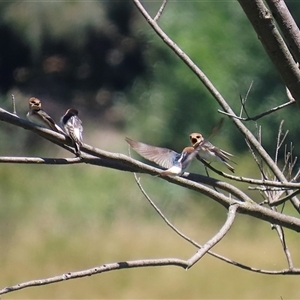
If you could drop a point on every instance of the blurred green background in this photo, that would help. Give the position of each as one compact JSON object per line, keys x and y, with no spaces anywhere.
{"x":103,"y":58}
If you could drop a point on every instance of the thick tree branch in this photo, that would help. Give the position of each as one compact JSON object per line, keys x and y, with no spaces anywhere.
{"x":115,"y":164}
{"x":264,"y":25}
{"x":287,"y":25}
{"x":125,"y":163}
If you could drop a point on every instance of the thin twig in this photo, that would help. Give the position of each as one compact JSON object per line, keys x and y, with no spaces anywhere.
{"x":286,"y":250}
{"x":284,"y":199}
{"x":244,"y":100}
{"x":293,"y":163}
{"x":296,"y":177}
{"x":137,"y":180}
{"x":287,"y":156}
{"x":255,"y":118}
{"x":160,"y":11}
{"x":279,"y":142}
{"x":13,"y":104}
{"x":258,"y":163}
{"x":290,"y":185}
{"x":263,"y":188}
{"x":289,"y":95}
{"x":217,"y":238}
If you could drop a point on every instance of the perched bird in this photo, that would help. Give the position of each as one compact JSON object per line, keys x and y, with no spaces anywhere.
{"x":209,"y":152}
{"x":175,"y":163}
{"x":40,"y":117}
{"x":72,"y":126}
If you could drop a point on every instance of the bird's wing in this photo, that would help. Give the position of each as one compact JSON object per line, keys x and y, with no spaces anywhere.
{"x":48,"y":120}
{"x":207,"y":146}
{"x":222,"y":154}
{"x":161,"y":156}
{"x":74,"y":128}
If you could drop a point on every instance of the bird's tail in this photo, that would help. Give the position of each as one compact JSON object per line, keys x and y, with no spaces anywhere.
{"x":231,"y":168}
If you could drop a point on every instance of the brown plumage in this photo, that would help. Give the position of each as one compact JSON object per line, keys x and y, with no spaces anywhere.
{"x":209,"y":152}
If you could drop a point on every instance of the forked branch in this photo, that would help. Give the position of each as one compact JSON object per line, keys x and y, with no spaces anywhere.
{"x":218,"y":97}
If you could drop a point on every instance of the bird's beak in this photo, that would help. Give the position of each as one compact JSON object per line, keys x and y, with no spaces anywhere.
{"x":195,"y":143}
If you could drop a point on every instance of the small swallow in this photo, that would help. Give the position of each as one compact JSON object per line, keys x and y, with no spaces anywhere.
{"x":175,"y":163}
{"x":40,"y":117}
{"x":209,"y":152}
{"x":72,"y":126}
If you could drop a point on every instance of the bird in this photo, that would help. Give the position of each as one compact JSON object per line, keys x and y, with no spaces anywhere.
{"x":209,"y":152}
{"x":73,"y":128}
{"x":175,"y":163}
{"x":40,"y":117}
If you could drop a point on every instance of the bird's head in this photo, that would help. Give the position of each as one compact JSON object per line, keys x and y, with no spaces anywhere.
{"x":196,"y":138}
{"x":35,"y":103}
{"x":72,"y":112}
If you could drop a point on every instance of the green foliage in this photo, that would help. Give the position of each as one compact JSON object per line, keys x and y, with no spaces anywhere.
{"x":219,"y":38}
{"x":60,"y":20}
{"x":105,"y":57}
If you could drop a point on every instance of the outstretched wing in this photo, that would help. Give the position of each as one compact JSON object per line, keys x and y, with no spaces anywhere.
{"x":164,"y":157}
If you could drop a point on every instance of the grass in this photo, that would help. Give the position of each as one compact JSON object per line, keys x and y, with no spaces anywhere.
{"x":60,"y":219}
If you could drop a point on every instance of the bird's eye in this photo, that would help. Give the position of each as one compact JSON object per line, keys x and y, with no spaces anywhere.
{"x":198,"y":136}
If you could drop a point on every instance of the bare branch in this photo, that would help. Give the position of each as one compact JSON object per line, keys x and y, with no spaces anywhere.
{"x":265,"y":27}
{"x":160,"y":11}
{"x":284,"y":136}
{"x":125,"y":163}
{"x":296,"y":177}
{"x":229,"y":261}
{"x":98,"y":270}
{"x":258,"y":163}
{"x":40,"y":160}
{"x":290,"y":185}
{"x":126,"y":265}
{"x":279,"y":141}
{"x":215,"y":93}
{"x":286,"y":250}
{"x":284,"y":199}
{"x":217,"y":238}
{"x":13,"y":100}
{"x":137,"y":180}
{"x":255,"y":118}
{"x":264,"y":188}
{"x":287,"y":25}
{"x":244,"y":100}
{"x":288,"y":93}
